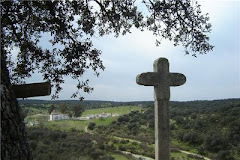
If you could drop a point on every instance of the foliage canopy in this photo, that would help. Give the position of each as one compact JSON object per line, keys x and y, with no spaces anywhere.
{"x":72,"y":24}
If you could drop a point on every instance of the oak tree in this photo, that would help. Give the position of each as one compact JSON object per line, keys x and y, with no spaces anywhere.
{"x":71,"y":26}
{"x":77,"y":110}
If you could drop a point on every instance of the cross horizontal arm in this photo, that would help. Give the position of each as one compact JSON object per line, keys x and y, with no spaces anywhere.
{"x":177,"y":79}
{"x":32,"y":90}
{"x":147,"y":79}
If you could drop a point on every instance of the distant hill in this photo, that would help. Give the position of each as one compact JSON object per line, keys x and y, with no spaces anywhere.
{"x":88,"y":104}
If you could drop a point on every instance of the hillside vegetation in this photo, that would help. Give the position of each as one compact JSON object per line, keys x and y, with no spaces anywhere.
{"x":207,"y":128}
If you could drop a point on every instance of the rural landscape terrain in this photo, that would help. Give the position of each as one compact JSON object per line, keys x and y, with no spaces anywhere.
{"x":199,"y":130}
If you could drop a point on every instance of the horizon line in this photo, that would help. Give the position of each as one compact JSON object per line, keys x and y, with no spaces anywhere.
{"x":128,"y":101}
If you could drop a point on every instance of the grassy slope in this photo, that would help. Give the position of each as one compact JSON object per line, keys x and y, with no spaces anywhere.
{"x":80,"y":125}
{"x":66,"y":125}
{"x":120,"y":110}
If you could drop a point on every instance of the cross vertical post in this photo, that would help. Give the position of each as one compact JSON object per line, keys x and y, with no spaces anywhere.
{"x":161,"y":79}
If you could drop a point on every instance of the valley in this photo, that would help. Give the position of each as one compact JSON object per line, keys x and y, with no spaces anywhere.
{"x":194,"y":127}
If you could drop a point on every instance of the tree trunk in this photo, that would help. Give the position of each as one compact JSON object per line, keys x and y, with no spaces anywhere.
{"x":14,"y":144}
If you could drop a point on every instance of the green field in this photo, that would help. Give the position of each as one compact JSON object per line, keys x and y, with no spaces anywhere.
{"x":120,"y":110}
{"x":80,"y":126}
{"x":180,"y":156}
{"x":183,"y":146}
{"x":66,"y":125}
{"x":120,"y":157}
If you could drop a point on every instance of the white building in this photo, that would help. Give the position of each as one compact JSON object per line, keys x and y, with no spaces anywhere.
{"x":56,"y":116}
{"x":115,"y":115}
{"x":91,"y":116}
{"x":83,"y":118}
{"x":34,"y":123}
{"x":103,"y":115}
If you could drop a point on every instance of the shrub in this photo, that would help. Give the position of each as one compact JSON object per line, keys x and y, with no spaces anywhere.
{"x":214,"y":142}
{"x":63,"y":135}
{"x":107,"y":158}
{"x":175,"y":150}
{"x":35,"y":134}
{"x":54,"y":136}
{"x":238,"y":150}
{"x":115,"y":141}
{"x":122,"y":148}
{"x":73,"y":130}
{"x":46,"y":142}
{"x":143,"y":145}
{"x":201,"y":151}
{"x":124,"y":141}
{"x":224,"y":155}
{"x":33,"y":145}
{"x":110,"y":147}
{"x":134,"y":143}
{"x":96,"y":154}
{"x":124,"y":118}
{"x":101,"y":146}
{"x":91,"y":125}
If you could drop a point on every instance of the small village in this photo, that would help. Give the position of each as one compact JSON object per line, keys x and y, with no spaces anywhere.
{"x":58,"y":116}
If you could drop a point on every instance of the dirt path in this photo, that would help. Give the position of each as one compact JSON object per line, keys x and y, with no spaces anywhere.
{"x":141,"y":156}
{"x":186,"y":152}
{"x":86,"y":130}
{"x":137,"y":156}
{"x":131,"y":140}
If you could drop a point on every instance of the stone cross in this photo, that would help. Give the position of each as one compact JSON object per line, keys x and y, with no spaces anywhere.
{"x":32,"y":90}
{"x":161,"y":79}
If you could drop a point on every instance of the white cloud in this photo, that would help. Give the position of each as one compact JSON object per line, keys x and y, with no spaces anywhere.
{"x":211,"y":76}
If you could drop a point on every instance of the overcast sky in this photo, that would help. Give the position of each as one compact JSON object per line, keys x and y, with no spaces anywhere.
{"x":212,"y":76}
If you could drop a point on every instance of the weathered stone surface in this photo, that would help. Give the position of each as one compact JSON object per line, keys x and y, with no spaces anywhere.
{"x":161,"y":79}
{"x":32,"y":90}
{"x":148,"y":79}
{"x":176,"y":79}
{"x":13,"y":137}
{"x":162,"y":133}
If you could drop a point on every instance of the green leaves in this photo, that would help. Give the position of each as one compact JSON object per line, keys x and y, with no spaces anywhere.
{"x":181,"y":21}
{"x":71,"y":24}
